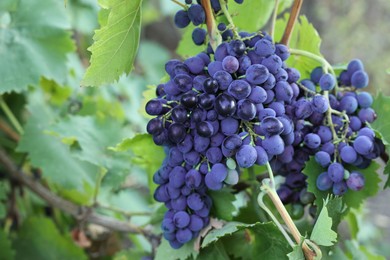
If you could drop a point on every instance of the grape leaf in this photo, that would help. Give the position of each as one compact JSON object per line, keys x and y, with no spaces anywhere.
{"x":94,"y":137}
{"x":304,"y":37}
{"x":322,"y":233}
{"x":215,"y":252}
{"x":146,"y":153}
{"x":381,"y":125}
{"x":222,"y":207}
{"x":130,"y":254}
{"x":165,"y":251}
{"x":227,"y":229}
{"x":34,"y":41}
{"x":336,"y":210}
{"x":257,"y":12}
{"x":257,"y":241}
{"x":296,"y":254}
{"x":116,"y":43}
{"x":356,"y":251}
{"x":350,"y":198}
{"x":39,"y":238}
{"x":312,"y":170}
{"x":6,"y":251}
{"x":75,"y":178}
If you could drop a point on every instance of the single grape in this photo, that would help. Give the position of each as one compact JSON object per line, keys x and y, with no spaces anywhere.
{"x":196,"y":223}
{"x":271,"y":126}
{"x":283,"y":91}
{"x":312,"y":141}
{"x":223,"y":79}
{"x":225,"y":105}
{"x":282,"y":51}
{"x":355,"y":181}
{"x":319,"y":104}
{"x":155,"y":126}
{"x":349,"y":104}
{"x":316,"y":75}
{"x":262,"y":156}
{"x":199,"y":36}
{"x":195,"y":64}
{"x":264,"y":47}
{"x":176,"y":133}
{"x":340,"y":188}
{"x":303,"y":109}
{"x":257,"y":74}
{"x":324,"y":182}
{"x":193,"y":178}
{"x":229,"y":126}
{"x":367,"y":115}
{"x":221,"y":27}
{"x":354,"y":65}
{"x":336,"y":172}
{"x":236,"y":48}
{"x":359,"y":79}
{"x":246,"y":156}
{"x":273,"y":145}
{"x":181,"y":19}
{"x":181,"y":219}
{"x":230,"y":64}
{"x":196,"y":14}
{"x":327,"y":82}
{"x":183,"y":235}
{"x":195,"y":201}
{"x":239,"y":89}
{"x":322,"y":158}
{"x":246,"y":109}
{"x":258,"y":95}
{"x":348,"y":154}
{"x":363,"y":145}
{"x":273,"y":63}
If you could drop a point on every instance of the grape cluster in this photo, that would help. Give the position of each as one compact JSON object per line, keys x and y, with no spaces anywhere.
{"x":338,"y":144}
{"x":195,"y":14}
{"x":219,"y":113}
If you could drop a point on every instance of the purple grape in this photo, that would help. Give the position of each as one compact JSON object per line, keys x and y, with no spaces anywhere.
{"x":282,"y":51}
{"x":264,"y":48}
{"x":348,"y":154}
{"x":271,"y":126}
{"x":283,"y":91}
{"x":363,"y":145}
{"x":225,"y":105}
{"x":195,"y":64}
{"x":356,"y":181}
{"x":354,"y":65}
{"x":367,"y":115}
{"x":176,"y":133}
{"x":266,"y":112}
{"x":273,"y":145}
{"x":245,"y":62}
{"x":236,"y":48}
{"x":303,"y":109}
{"x":316,"y":75}
{"x":355,"y":123}
{"x":193,"y":178}
{"x":348,"y":104}
{"x":324,"y":133}
{"x":181,"y":19}
{"x":359,"y":79}
{"x":205,"y":129}
{"x":262,"y":156}
{"x":196,"y":14}
{"x":223,"y":79}
{"x":230,"y":64}
{"x":168,"y":225}
{"x":183,"y":235}
{"x":214,"y":155}
{"x":273,"y":63}
{"x":340,"y":188}
{"x":365,"y":99}
{"x":319,"y":104}
{"x":181,"y":219}
{"x":196,"y":223}
{"x":218,"y":172}
{"x":327,"y":82}
{"x":229,"y":126}
{"x":214,"y":67}
{"x":365,"y":131}
{"x":322,"y":158}
{"x":324,"y":182}
{"x":239,"y":89}
{"x":201,"y":143}
{"x":246,"y":156}
{"x":195,"y":201}
{"x":246,"y":110}
{"x":258,"y":95}
{"x":312,"y":141}
{"x":257,"y":74}
{"x":336,"y":172}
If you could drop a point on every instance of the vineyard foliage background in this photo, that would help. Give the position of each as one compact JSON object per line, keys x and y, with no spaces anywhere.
{"x":88,"y":146}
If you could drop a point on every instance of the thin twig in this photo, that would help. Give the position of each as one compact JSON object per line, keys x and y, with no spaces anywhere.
{"x":7,"y":111}
{"x":81,"y":213}
{"x":273,"y":21}
{"x":296,"y":8}
{"x":8,"y":130}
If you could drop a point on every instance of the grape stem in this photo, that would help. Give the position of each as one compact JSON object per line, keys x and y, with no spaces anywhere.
{"x":273,"y":21}
{"x":228,"y":17}
{"x":11,"y":117}
{"x":295,"y":9}
{"x":274,"y":219}
{"x":212,"y":30}
{"x":181,"y":4}
{"x":268,"y":186}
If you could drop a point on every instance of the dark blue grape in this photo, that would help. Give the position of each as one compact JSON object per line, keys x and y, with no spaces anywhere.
{"x":181,"y":19}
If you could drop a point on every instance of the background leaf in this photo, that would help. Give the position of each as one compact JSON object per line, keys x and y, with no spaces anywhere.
{"x":187,"y":47}
{"x":322,"y":233}
{"x":381,"y":106}
{"x":40,"y":239}
{"x":6,"y":251}
{"x":116,"y":43}
{"x":34,"y":43}
{"x":223,"y":207}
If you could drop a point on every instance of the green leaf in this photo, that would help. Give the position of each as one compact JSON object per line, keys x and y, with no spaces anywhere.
{"x":356,"y":251}
{"x":58,"y":94}
{"x":304,"y":37}
{"x":336,"y":210}
{"x":116,"y":43}
{"x":350,"y":198}
{"x":227,"y":229}
{"x":322,"y":233}
{"x":3,"y":199}
{"x":296,"y":254}
{"x":39,"y":238}
{"x":130,"y":254}
{"x":6,"y":251}
{"x":75,"y":178}
{"x":354,"y":199}
{"x":94,"y":137}
{"x":223,"y":207}
{"x":252,"y":15}
{"x":165,"y":251}
{"x":312,"y":170}
{"x":187,"y":47}
{"x":257,"y":241}
{"x":215,"y":252}
{"x":381,"y":125}
{"x":34,"y":41}
{"x":146,"y":153}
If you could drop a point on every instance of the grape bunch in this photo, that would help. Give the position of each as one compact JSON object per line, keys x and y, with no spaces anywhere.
{"x":346,"y":142}
{"x":218,"y":113}
{"x":195,"y":14}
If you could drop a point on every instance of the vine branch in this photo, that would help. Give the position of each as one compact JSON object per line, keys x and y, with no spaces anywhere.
{"x":81,"y":213}
{"x":214,"y":36}
{"x":296,"y":8}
